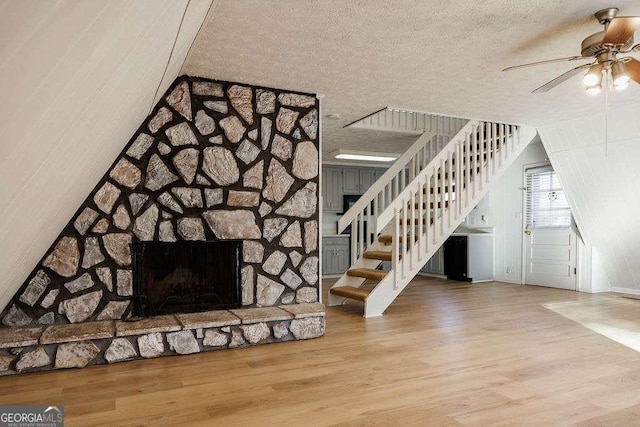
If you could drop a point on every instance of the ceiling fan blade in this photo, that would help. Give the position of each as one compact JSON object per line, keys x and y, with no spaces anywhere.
{"x":633,"y":70}
{"x":562,"y":78}
{"x":548,"y":61}
{"x":634,"y":49}
{"x":621,"y":29}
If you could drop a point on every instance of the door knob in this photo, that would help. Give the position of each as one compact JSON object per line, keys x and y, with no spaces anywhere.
{"x":527,"y":232}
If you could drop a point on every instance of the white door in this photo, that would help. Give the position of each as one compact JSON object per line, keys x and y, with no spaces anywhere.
{"x":550,"y":235}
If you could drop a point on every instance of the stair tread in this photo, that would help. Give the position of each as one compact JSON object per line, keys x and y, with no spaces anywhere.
{"x":380,"y":255}
{"x":387,"y":239}
{"x":367,"y":273}
{"x":350,"y":292}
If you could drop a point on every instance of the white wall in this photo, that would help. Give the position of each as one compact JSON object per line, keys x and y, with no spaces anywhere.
{"x":603,"y":190}
{"x":77,"y":78}
{"x":506,"y":214}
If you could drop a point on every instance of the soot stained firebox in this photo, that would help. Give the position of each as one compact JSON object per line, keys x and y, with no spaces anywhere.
{"x":185,"y":277}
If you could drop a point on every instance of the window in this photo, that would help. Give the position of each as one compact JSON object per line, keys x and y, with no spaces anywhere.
{"x":547,"y":204}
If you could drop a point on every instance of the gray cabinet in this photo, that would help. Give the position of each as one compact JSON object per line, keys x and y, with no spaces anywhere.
{"x":335,"y":255}
{"x":332,"y":189}
{"x":338,"y":181}
{"x":367,"y":178}
{"x":351,"y":181}
{"x":358,"y":180}
{"x":435,"y":265}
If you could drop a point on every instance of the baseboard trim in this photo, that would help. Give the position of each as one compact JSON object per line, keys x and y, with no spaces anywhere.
{"x":627,"y":291}
{"x":513,"y":282}
{"x":437,"y":276}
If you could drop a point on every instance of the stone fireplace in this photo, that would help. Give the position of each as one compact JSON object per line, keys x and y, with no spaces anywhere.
{"x":215,"y":162}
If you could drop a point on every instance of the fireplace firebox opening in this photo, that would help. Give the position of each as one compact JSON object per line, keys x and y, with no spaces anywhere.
{"x":185,"y":277}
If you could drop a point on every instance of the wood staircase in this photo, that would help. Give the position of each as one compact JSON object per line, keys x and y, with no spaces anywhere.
{"x":415,"y":206}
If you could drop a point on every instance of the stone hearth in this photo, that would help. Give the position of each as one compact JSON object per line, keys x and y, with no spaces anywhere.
{"x":30,"y":349}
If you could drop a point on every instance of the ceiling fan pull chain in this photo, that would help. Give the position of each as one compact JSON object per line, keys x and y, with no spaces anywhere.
{"x":606,"y":116}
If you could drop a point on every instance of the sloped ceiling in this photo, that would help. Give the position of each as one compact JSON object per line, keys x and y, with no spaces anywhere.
{"x":77,"y":78}
{"x":602,"y":186}
{"x":427,"y":55}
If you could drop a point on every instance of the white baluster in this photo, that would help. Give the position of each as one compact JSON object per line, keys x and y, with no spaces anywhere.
{"x":501,"y":145}
{"x":450,"y":185}
{"x":422,"y":220}
{"x":413,"y":225}
{"x":396,"y":185}
{"x":466,"y":179}
{"x":374,"y":226}
{"x":441,"y":197}
{"x":395,"y":248}
{"x":404,"y":238}
{"x":354,"y":241}
{"x":361,"y":236}
{"x":429,"y":187}
{"x":368,"y":235}
{"x":460,"y":166}
{"x":473,"y":162}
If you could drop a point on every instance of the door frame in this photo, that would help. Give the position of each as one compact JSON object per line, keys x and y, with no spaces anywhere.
{"x":526,"y":167}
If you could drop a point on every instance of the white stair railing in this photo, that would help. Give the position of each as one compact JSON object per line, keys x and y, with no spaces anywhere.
{"x":425,"y":210}
{"x":438,"y":196}
{"x":363,"y":215}
{"x":428,"y":210}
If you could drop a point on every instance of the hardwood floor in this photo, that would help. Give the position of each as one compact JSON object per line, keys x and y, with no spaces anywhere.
{"x":445,"y":353}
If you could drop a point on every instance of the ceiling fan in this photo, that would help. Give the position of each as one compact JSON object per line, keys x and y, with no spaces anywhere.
{"x":605,"y":47}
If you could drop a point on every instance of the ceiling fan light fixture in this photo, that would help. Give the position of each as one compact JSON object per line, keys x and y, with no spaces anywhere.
{"x":593,"y":76}
{"x":621,"y":86}
{"x":619,"y":74}
{"x":594,"y":90}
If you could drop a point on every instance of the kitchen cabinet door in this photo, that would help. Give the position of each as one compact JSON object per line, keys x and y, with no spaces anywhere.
{"x":335,"y":255}
{"x":328,"y":260}
{"x":351,"y":181}
{"x":342,"y":254}
{"x":367,"y":178}
{"x":332,"y":189}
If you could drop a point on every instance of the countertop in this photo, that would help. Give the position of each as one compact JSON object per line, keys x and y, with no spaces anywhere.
{"x":465,"y":231}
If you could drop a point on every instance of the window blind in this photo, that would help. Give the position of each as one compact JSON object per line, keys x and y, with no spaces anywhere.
{"x":547,"y":204}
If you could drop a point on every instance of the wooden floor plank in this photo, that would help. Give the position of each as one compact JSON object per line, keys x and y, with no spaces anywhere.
{"x":444,"y":353}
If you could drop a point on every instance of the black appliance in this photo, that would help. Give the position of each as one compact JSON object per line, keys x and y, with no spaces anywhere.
{"x":349,"y":200}
{"x":455,"y":258}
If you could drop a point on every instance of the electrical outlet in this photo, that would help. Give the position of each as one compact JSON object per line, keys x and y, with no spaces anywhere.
{"x":509,"y":270}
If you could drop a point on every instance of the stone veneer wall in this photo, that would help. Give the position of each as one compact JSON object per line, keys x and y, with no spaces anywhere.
{"x":215,"y":160}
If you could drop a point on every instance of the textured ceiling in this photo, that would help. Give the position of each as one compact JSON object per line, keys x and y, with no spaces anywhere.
{"x":435,"y":56}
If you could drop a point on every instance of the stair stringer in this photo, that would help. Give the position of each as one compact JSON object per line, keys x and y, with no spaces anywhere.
{"x":391,"y":286}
